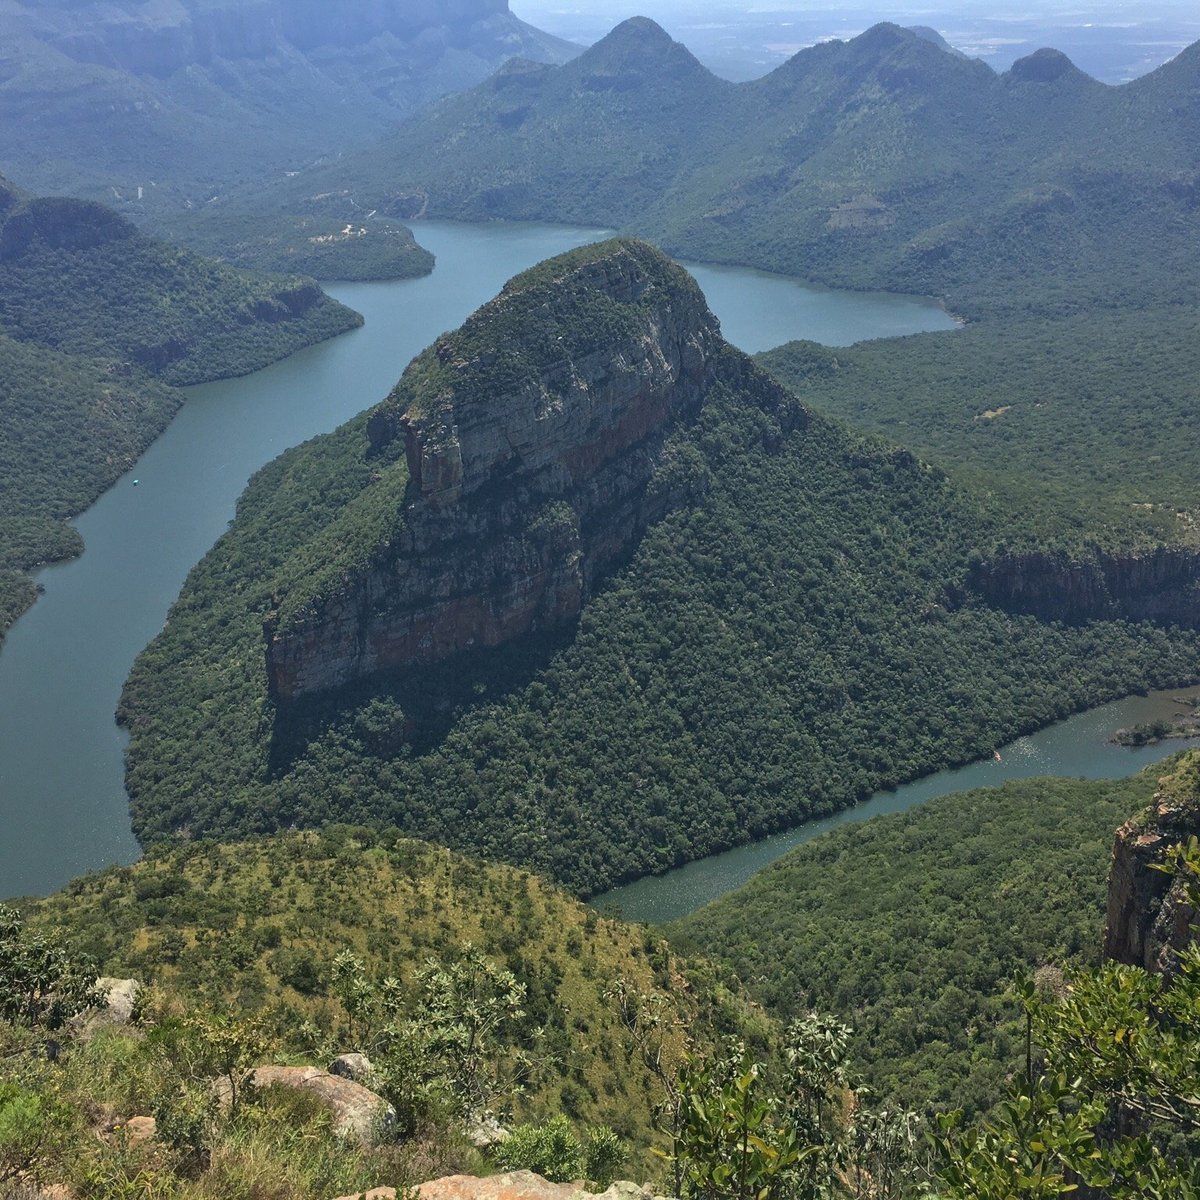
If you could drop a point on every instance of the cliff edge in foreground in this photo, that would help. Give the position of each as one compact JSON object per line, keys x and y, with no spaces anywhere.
{"x":1149,"y":917}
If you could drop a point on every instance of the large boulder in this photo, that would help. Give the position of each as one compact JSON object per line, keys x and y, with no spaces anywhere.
{"x":353,"y":1066}
{"x":357,"y":1111}
{"x":516,"y":1185}
{"x":118,"y":1000}
{"x":484,"y":1131}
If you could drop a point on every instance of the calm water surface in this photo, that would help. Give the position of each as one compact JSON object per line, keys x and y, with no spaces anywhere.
{"x":1078,"y":747}
{"x":62,"y":797}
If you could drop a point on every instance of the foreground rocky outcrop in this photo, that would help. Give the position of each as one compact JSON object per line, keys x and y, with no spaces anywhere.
{"x":537,"y":445}
{"x":515,"y":1185}
{"x":1149,"y":918}
{"x":357,"y":1112}
{"x":1162,"y":584}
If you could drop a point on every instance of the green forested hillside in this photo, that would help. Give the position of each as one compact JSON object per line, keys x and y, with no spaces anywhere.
{"x":96,"y":321}
{"x":75,"y":276}
{"x":884,"y":161}
{"x":910,"y":928}
{"x":799,"y":633}
{"x":70,"y":426}
{"x":1084,"y":428}
{"x":325,"y":246}
{"x":159,"y":107}
{"x":257,"y":926}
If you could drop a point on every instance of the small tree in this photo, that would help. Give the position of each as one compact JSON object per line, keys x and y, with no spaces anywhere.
{"x":42,"y":985}
{"x":463,"y":1009}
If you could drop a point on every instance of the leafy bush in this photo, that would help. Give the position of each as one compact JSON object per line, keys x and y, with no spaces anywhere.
{"x":42,"y":985}
{"x":30,"y":1127}
{"x":603,"y":1154}
{"x":550,"y":1149}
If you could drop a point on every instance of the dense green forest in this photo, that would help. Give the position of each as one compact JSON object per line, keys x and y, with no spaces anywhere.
{"x":96,"y":321}
{"x":1082,"y":429}
{"x":884,"y":161}
{"x":910,"y":928}
{"x":799,"y":635}
{"x":76,"y":277}
{"x":71,"y":425}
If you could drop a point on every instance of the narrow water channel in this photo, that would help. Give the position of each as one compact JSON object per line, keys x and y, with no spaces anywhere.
{"x":1078,"y":747}
{"x":63,"y":807}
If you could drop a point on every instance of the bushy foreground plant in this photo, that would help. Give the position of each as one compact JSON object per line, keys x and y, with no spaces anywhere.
{"x":1117,"y":1105}
{"x":452,"y":1046}
{"x":788,"y":1127}
{"x":553,"y":1150}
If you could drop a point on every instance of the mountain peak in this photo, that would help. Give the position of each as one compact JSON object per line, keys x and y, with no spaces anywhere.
{"x":927,"y":34}
{"x":1042,"y":66}
{"x":641,"y":44}
{"x":883,"y":37}
{"x":641,"y":27}
{"x":529,"y":468}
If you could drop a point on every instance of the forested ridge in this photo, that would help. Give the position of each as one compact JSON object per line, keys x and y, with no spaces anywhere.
{"x":97,"y":322}
{"x":1081,"y":431}
{"x":796,"y":635}
{"x":911,"y":926}
{"x":883,"y":161}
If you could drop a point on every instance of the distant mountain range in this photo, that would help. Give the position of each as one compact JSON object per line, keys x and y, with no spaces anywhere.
{"x":885,"y":161}
{"x":156,"y":103}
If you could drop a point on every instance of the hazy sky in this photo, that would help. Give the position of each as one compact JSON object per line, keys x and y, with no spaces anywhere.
{"x":1114,"y":40}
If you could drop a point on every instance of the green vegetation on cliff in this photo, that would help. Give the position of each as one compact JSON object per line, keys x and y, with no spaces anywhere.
{"x":911,"y":926}
{"x":798,"y":632}
{"x":96,"y":320}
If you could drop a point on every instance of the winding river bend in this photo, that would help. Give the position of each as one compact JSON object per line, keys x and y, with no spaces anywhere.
{"x":63,"y":807}
{"x":1078,"y":747}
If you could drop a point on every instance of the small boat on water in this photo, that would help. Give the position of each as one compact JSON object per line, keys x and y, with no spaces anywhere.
{"x":996,"y":756}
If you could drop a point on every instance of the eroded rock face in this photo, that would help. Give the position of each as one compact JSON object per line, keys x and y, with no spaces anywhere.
{"x":1159,"y":585}
{"x":532,"y":438}
{"x":1149,"y":918}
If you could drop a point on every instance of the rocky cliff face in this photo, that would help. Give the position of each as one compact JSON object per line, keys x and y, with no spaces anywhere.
{"x":1161,"y":584}
{"x":1148,"y":914}
{"x":533,"y":438}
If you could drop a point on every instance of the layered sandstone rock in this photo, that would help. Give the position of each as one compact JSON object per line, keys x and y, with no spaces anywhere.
{"x":1161,"y":584}
{"x":1149,"y":918}
{"x":534,"y":439}
{"x":515,"y":1185}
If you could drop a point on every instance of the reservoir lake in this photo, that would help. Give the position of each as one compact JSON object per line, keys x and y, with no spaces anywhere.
{"x":63,"y":808}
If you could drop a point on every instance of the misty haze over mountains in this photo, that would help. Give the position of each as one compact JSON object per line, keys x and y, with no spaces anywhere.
{"x":741,"y":39}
